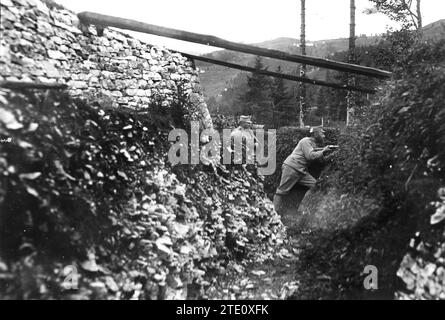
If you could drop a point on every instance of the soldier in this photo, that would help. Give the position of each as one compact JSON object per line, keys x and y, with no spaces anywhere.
{"x":245,"y":135}
{"x":245,"y":127}
{"x":295,"y":167}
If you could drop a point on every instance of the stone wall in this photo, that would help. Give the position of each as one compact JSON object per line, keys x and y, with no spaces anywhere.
{"x":44,"y":42}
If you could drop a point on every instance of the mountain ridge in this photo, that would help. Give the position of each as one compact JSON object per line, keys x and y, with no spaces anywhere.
{"x":214,"y":79}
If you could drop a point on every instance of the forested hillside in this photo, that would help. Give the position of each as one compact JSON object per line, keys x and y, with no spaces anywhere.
{"x":226,"y":88}
{"x":215,"y":78}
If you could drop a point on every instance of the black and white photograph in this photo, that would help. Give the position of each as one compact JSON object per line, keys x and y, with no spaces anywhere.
{"x":222,"y":155}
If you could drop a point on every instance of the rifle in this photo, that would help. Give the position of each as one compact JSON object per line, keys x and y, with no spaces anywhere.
{"x":332,"y":147}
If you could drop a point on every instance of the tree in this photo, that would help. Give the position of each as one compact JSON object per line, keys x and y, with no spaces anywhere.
{"x":407,"y":12}
{"x":278,"y":90}
{"x":257,"y":100}
{"x":212,"y":105}
{"x":281,"y":102}
{"x":351,"y":98}
{"x":258,"y":84}
{"x":322,"y":102}
{"x":302,"y":95}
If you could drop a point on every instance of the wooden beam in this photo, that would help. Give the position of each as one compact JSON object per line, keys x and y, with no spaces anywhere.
{"x":31,"y":85}
{"x":279,"y":75}
{"x":110,"y":21}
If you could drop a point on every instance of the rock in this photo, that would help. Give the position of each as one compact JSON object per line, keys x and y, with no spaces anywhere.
{"x":28,"y":36}
{"x":76,"y":46}
{"x":123,"y":100}
{"x":45,"y":79}
{"x":181,"y":229}
{"x":57,"y":40}
{"x":111,"y":284}
{"x":27,"y":62}
{"x":78,"y":84}
{"x":3,"y":267}
{"x":131,"y":83}
{"x":56,"y":55}
{"x":7,"y":15}
{"x":156,"y":69}
{"x":50,"y":70}
{"x":44,"y":27}
{"x":67,"y":27}
{"x":146,"y":101}
{"x":134,"y":43}
{"x":9,"y":120}
{"x":131,"y":92}
{"x":64,"y":49}
{"x":93,"y":81}
{"x":153,"y":76}
{"x":90,"y":266}
{"x":41,"y":8}
{"x":7,"y":3}
{"x":116,"y":93}
{"x":146,"y":55}
{"x":236,"y":289}
{"x":175,"y":76}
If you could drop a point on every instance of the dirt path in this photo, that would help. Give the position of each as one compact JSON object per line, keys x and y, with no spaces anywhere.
{"x":263,"y":280}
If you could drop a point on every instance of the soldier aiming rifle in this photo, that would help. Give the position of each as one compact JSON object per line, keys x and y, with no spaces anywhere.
{"x":296,"y":179}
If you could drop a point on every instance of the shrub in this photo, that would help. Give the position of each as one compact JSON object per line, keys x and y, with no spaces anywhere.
{"x":395,"y":155}
{"x":399,"y":134}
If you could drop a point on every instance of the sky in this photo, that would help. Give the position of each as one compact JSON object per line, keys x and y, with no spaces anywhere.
{"x":248,"y":21}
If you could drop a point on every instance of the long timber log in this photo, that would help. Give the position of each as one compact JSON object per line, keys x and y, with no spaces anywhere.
{"x":280,"y":75}
{"x":31,"y":85}
{"x":111,"y":21}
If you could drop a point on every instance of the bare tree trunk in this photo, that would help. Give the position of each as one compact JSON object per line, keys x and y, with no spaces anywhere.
{"x":302,"y":97}
{"x":351,"y":97}
{"x":419,"y":15}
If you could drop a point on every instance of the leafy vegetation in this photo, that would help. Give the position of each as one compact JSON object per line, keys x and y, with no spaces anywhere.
{"x":394,"y":156}
{"x":88,"y":188}
{"x":407,"y":12}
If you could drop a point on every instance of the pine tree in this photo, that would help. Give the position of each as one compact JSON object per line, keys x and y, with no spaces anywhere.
{"x":257,"y":100}
{"x":258,"y":84}
{"x":280,"y":102}
{"x":279,"y":90}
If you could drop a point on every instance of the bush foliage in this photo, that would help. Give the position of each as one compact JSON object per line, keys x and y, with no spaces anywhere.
{"x":395,"y":154}
{"x":402,"y":132}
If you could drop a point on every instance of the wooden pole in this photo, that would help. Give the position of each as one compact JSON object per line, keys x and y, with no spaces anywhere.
{"x":278,"y":75}
{"x":110,"y":21}
{"x":31,"y":85}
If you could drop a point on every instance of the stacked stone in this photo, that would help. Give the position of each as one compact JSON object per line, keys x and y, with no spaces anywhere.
{"x":423,"y":273}
{"x":44,"y":44}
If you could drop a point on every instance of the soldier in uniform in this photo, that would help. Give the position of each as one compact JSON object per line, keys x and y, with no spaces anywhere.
{"x":296,"y":179}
